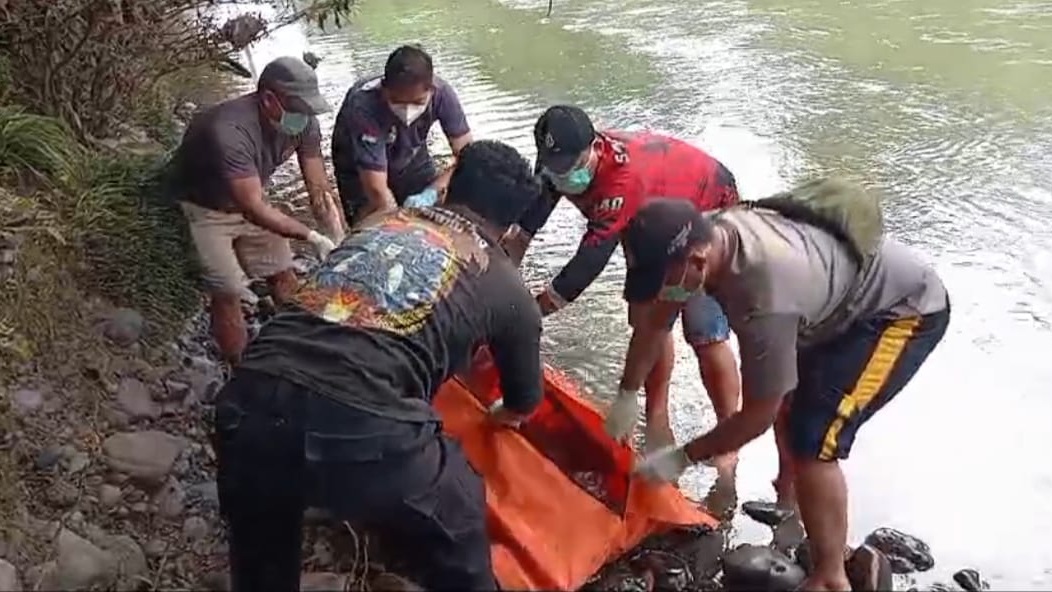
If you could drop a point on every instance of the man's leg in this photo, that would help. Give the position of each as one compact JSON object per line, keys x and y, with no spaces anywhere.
{"x":259,"y":449}
{"x":267,"y":255}
{"x":213,"y":234}
{"x":842,"y":384}
{"x":706,"y":329}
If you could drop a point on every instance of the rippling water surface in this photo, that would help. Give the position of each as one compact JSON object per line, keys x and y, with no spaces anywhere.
{"x":943,"y":105}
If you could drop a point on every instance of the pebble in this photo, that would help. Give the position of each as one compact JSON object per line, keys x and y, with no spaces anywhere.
{"x":170,"y":500}
{"x":78,"y":462}
{"x":907,"y":553}
{"x":204,"y":495}
{"x":195,"y":528}
{"x":26,"y":401}
{"x":48,"y":458}
{"x":147,"y":455}
{"x":135,"y":400}
{"x":768,"y":513}
{"x":156,"y":548}
{"x":61,"y":494}
{"x":9,"y":581}
{"x":124,"y":326}
{"x":79,"y":565}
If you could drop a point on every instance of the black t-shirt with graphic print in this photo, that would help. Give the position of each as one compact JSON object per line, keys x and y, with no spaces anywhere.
{"x":397,"y":309}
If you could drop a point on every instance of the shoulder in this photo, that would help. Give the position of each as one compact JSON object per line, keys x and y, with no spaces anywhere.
{"x":444,"y":91}
{"x":362,"y":100}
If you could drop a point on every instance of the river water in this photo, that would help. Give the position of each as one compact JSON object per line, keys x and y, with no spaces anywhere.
{"x":943,"y":104}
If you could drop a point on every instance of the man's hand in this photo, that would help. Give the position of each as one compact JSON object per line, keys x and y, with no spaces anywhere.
{"x":322,"y":244}
{"x":501,"y":415}
{"x":550,"y":301}
{"x":623,"y":415}
{"x":324,"y":206}
{"x":665,"y":465}
{"x":329,"y":216}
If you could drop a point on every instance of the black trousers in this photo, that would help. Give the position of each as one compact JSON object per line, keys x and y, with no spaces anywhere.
{"x":282,"y":448}
{"x":410,"y":180}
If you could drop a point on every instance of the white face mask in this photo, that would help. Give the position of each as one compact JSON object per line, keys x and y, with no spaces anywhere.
{"x":410,"y":112}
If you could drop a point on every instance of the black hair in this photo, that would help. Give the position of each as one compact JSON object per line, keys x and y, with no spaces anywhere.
{"x":407,"y":67}
{"x":493,"y":180}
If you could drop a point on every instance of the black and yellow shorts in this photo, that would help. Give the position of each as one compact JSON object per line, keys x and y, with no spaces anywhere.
{"x":844,"y":382}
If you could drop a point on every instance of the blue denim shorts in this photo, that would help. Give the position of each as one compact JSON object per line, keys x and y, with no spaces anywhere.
{"x":704,"y":321}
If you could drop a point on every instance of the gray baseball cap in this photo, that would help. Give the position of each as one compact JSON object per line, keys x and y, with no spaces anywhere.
{"x":297,"y":83}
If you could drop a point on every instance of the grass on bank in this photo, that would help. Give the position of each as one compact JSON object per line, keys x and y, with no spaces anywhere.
{"x":83,"y":224}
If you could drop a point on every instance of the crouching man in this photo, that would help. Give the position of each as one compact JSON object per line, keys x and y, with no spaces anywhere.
{"x":331,"y":406}
{"x":833,"y":320}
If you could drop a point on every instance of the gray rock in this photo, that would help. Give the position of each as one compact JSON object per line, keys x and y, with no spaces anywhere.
{"x":135,"y":400}
{"x":156,"y":548}
{"x":79,"y":565}
{"x":204,"y":495}
{"x":755,"y":567}
{"x":704,"y":553}
{"x":9,"y":581}
{"x":48,"y":458}
{"x":127,"y":554}
{"x":36,"y":575}
{"x":147,"y":455}
{"x":171,"y":499}
{"x":177,"y":390}
{"x":906,"y":553}
{"x":78,"y":462}
{"x":124,"y":327}
{"x":26,"y":401}
{"x":970,"y":580}
{"x":195,"y":528}
{"x":62,"y":494}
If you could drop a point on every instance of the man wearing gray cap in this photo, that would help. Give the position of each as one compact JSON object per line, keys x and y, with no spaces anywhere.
{"x":219,"y":173}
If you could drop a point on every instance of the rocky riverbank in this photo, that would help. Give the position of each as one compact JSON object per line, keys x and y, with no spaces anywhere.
{"x":121,"y":493}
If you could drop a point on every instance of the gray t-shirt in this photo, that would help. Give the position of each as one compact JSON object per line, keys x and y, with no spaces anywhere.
{"x":368,"y":135}
{"x":229,"y":141}
{"x":790,"y":285}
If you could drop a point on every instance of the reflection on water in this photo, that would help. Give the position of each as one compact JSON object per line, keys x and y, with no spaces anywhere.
{"x":942,"y":105}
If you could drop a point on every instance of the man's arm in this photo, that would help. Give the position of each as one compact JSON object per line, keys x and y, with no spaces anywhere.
{"x":235,"y":153}
{"x":516,"y":349}
{"x":649,"y":323}
{"x":768,"y":353}
{"x":369,"y":146}
{"x":455,"y":126}
{"x":323,"y":205}
{"x":606,"y":220}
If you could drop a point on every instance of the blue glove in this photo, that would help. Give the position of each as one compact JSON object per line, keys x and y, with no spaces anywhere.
{"x":425,"y":198}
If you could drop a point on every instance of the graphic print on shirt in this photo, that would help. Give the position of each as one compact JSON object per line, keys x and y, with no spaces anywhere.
{"x":386,"y":277}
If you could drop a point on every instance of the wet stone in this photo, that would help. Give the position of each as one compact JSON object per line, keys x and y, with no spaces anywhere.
{"x":755,"y":567}
{"x":768,"y":513}
{"x":970,"y":580}
{"x":907,"y":553}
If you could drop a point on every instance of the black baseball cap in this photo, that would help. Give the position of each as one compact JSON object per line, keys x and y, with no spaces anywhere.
{"x":661,"y":232}
{"x":297,"y":83}
{"x":562,"y":133}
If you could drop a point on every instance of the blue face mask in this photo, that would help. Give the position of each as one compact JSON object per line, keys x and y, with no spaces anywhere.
{"x":293,"y":124}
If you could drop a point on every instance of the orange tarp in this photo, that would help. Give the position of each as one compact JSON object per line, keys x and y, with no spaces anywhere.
{"x":560,"y":500}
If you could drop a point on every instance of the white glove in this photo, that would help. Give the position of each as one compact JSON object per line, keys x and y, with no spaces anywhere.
{"x":503,"y":416}
{"x":623,"y":414}
{"x":425,"y":198}
{"x":322,"y":244}
{"x":666,"y":464}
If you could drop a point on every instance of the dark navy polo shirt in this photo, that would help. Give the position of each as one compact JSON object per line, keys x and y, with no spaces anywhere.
{"x":369,"y":136}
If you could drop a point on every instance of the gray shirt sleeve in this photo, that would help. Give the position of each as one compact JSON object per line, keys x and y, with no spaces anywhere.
{"x":235,"y":152}
{"x":310,"y":140}
{"x":450,"y":113}
{"x":767,"y":344}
